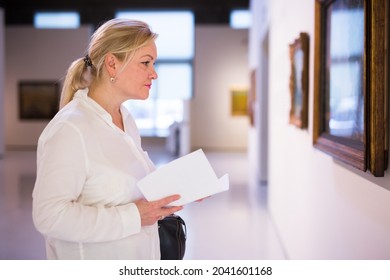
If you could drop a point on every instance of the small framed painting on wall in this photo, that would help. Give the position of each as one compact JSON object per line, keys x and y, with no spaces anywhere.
{"x":299,"y":81}
{"x":38,"y":100}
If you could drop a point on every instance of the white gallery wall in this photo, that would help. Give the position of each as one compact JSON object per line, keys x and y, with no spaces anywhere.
{"x":321,"y":208}
{"x":221,"y":62}
{"x":35,"y":55}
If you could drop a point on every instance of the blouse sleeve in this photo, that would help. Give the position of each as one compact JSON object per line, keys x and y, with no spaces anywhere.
{"x":62,"y":169}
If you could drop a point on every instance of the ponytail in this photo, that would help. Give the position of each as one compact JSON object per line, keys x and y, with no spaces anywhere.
{"x":76,"y":78}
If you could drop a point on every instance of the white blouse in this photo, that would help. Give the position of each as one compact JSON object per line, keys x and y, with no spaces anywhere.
{"x":87,"y":169}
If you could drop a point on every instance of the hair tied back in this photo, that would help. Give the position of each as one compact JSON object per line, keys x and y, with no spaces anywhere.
{"x":87,"y":60}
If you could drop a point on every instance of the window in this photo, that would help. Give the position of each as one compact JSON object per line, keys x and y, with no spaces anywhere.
{"x":175,"y":80}
{"x":56,"y":20}
{"x":240,"y":19}
{"x":176,"y":32}
{"x":175,"y":45}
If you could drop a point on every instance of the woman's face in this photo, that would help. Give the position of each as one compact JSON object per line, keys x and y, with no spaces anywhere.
{"x":135,"y":80}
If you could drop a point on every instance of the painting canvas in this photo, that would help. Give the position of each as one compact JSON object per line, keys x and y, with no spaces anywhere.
{"x":38,"y":100}
{"x":239,"y":101}
{"x":299,"y":81}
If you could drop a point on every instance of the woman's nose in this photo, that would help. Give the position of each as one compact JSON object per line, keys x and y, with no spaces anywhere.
{"x":154,"y":75}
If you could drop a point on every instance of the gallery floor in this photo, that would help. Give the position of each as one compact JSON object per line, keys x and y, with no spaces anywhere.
{"x":233,"y":225}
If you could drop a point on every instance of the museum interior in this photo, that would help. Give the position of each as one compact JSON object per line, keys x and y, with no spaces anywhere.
{"x":290,"y":98}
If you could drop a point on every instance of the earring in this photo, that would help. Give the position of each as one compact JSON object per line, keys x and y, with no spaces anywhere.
{"x":112,"y":79}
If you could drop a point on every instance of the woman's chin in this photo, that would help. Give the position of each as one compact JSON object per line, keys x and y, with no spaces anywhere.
{"x":141,"y":97}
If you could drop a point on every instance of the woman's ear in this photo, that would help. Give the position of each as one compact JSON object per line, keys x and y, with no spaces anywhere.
{"x":110,"y":62}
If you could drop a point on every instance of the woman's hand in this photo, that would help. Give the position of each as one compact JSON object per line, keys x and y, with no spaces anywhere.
{"x":152,"y":211}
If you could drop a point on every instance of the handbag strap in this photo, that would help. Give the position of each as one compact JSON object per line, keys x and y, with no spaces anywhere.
{"x":181,"y":221}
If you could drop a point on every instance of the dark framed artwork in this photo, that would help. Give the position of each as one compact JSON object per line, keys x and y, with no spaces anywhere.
{"x":299,"y":81}
{"x":38,"y":100}
{"x":351,"y":82}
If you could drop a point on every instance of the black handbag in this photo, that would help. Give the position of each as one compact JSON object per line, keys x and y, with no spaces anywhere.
{"x":173,"y":235}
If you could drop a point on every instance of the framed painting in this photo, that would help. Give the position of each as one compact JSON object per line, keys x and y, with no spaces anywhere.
{"x":239,"y":101}
{"x":351,"y":82}
{"x":38,"y":100}
{"x":252,"y":97}
{"x":299,"y":81}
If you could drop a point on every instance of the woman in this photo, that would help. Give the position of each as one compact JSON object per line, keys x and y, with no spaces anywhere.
{"x":89,"y":159}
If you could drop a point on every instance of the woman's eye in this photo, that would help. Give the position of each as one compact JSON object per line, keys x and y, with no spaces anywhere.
{"x":146,"y":63}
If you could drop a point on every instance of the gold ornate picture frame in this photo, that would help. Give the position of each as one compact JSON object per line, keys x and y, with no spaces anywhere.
{"x":351,"y":82}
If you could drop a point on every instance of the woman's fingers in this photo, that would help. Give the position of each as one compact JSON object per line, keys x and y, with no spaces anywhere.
{"x":153,"y":211}
{"x":167,"y":200}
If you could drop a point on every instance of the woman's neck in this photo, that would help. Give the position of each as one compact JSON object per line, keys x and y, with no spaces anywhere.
{"x":109,"y":104}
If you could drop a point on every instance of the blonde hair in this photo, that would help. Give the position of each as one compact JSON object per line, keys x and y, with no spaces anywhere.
{"x":121,"y":37}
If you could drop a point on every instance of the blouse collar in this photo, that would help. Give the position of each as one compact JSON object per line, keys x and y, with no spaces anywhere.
{"x":82,"y":95}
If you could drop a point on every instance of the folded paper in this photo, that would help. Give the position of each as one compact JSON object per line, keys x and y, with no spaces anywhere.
{"x":190,"y":176}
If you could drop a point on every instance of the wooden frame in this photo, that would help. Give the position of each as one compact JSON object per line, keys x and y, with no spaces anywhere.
{"x":367,"y":147}
{"x":38,"y":100}
{"x":299,"y":81}
{"x":252,"y":97}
